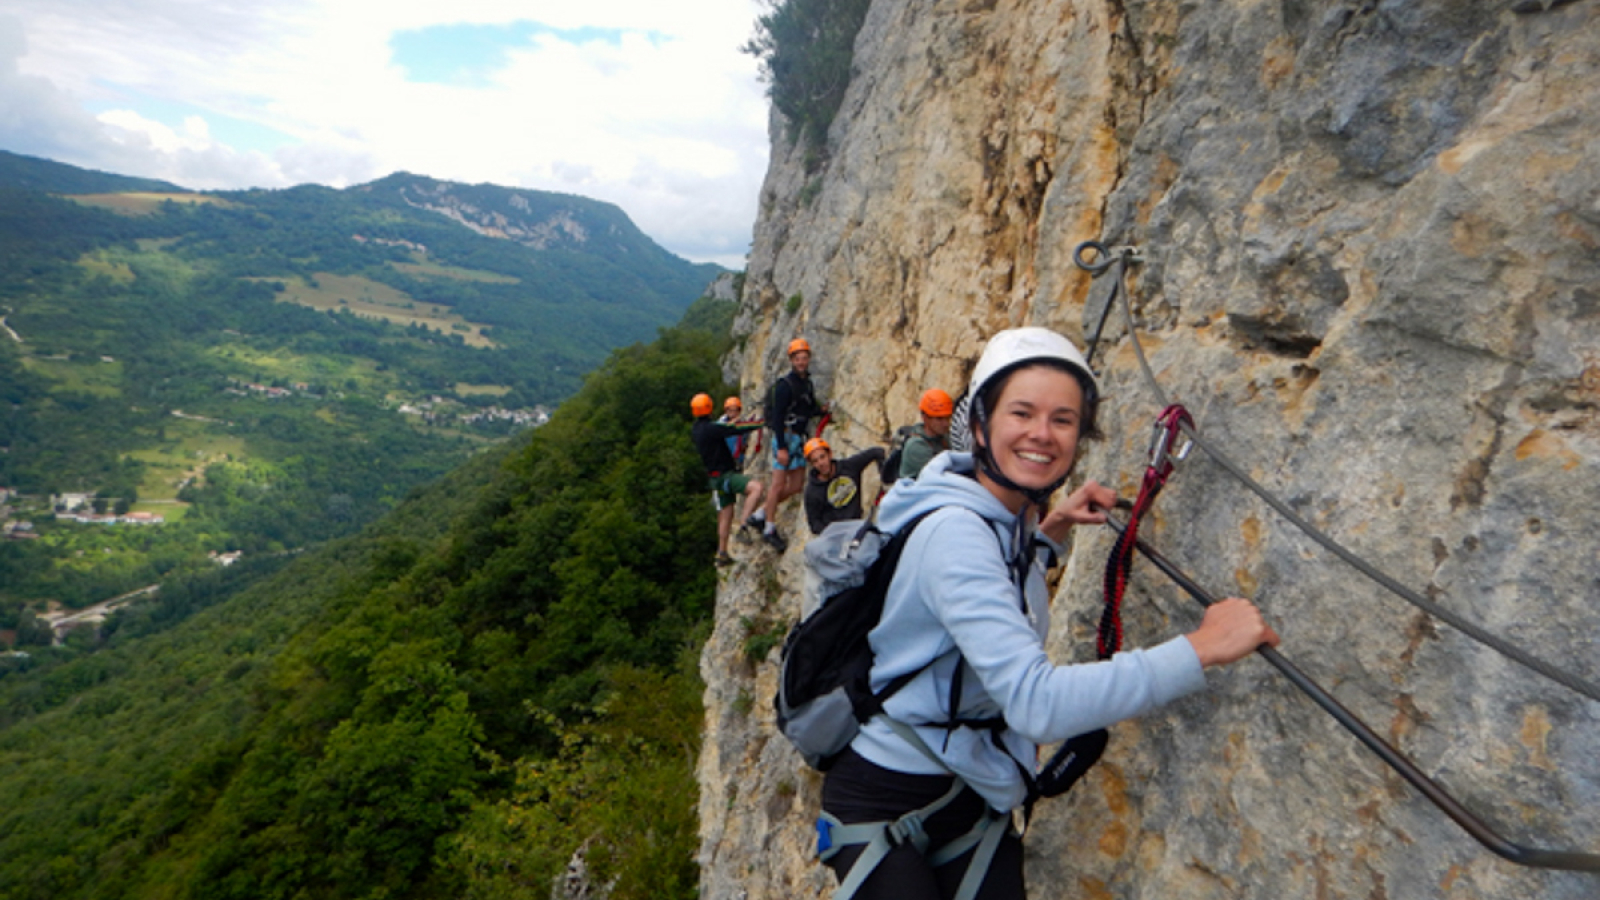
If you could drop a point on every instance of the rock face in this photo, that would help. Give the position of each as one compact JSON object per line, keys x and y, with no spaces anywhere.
{"x":1370,"y":239}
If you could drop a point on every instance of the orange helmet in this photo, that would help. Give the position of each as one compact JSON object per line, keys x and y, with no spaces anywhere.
{"x":700,"y":405}
{"x":936,"y":403}
{"x":732,"y":405}
{"x":813,"y":445}
{"x":798,"y":344}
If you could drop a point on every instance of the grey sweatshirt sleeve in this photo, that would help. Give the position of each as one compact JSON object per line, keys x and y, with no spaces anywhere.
{"x":964,"y":583}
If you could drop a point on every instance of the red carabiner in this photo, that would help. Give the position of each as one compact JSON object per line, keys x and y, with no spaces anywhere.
{"x":1168,"y":428}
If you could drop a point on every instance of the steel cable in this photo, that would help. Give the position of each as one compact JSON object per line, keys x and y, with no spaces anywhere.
{"x":1478,"y":633}
{"x":1535,"y":857}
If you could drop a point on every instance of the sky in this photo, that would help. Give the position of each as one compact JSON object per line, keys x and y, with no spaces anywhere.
{"x":648,"y":104}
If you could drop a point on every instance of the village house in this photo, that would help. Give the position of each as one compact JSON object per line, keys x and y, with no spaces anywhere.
{"x":93,"y":518}
{"x":70,"y":502}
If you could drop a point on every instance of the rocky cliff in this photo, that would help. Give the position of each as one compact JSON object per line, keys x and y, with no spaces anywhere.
{"x":1370,"y":241}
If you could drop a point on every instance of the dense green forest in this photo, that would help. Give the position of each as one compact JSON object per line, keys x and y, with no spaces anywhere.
{"x":448,"y":704}
{"x":266,"y":370}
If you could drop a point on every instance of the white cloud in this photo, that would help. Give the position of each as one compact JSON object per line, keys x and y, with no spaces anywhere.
{"x":196,"y":135}
{"x":668,"y":123}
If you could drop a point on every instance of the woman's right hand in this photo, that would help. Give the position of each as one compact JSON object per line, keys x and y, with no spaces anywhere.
{"x":1231,"y":630}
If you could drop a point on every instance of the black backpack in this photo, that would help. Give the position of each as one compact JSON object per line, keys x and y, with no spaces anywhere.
{"x":823,"y":690}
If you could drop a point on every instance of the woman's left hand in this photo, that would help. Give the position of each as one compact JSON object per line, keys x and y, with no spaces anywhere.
{"x":1084,"y":506}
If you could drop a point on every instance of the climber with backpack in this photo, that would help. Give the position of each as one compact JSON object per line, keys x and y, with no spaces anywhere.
{"x":711,"y":439}
{"x":791,"y":405}
{"x":918,"y":802}
{"x":919,"y":443}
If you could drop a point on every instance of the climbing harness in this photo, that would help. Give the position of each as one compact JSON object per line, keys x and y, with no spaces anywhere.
{"x":1533,"y":857}
{"x":1170,"y":424}
{"x":880,"y":838}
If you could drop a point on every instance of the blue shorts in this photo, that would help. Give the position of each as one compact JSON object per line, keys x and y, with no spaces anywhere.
{"x":795,"y":443}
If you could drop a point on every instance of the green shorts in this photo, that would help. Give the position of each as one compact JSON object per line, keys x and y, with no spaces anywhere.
{"x":726,"y":488}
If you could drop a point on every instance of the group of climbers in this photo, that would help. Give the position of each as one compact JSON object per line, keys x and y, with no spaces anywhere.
{"x":919,"y":803}
{"x":723,"y":448}
{"x":833,"y":489}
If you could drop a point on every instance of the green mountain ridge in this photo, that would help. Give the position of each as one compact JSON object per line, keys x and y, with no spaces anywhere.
{"x":270,"y":369}
{"x":34,"y":173}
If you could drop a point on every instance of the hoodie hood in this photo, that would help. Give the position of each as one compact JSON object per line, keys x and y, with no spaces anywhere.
{"x":946,"y":480}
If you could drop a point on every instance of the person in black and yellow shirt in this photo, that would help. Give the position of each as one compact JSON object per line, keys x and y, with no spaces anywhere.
{"x":711,"y":439}
{"x":833,"y":491}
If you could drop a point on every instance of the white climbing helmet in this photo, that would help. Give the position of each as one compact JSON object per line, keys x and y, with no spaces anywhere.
{"x":1014,"y":347}
{"x":1005,"y":353}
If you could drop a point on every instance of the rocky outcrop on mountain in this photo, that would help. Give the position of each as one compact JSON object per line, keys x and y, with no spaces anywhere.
{"x":519,"y":223}
{"x":541,"y":220}
{"x":1369,"y":243}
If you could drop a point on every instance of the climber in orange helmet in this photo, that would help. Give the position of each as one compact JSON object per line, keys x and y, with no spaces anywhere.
{"x":791,"y":406}
{"x":711,"y":439}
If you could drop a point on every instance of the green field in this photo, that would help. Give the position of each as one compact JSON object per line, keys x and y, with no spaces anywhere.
{"x":365,"y":297}
{"x":95,"y":377}
{"x":189,"y":447}
{"x":463,"y":389}
{"x":172,"y":511}
{"x":139,"y":203}
{"x":332,"y":372}
{"x":117,"y":271}
{"x":454,"y":273}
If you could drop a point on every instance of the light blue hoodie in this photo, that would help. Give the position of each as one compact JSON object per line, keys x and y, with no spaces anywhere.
{"x":952,"y":590}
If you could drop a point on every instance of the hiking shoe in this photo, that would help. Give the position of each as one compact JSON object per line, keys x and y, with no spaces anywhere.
{"x":776,"y":540}
{"x":724,"y":559}
{"x":756,"y":521}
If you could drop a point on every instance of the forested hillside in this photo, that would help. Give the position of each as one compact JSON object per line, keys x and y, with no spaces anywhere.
{"x":260,"y":371}
{"x":448,"y":704}
{"x":38,"y":174}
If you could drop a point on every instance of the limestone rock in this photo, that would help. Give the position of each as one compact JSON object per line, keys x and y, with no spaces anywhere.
{"x":1371,"y":248}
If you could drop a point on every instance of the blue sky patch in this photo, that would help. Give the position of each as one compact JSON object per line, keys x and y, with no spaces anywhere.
{"x":466,"y":55}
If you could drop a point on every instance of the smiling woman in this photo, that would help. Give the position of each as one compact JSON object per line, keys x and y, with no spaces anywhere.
{"x":960,"y":644}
